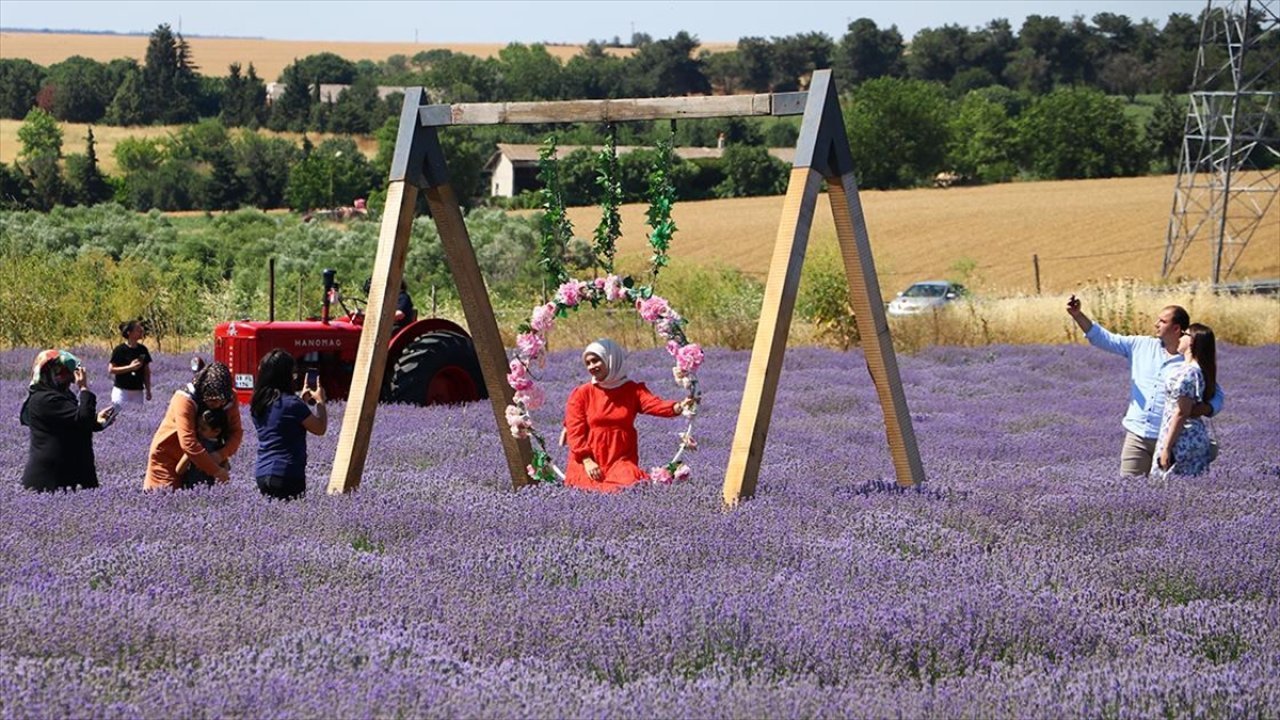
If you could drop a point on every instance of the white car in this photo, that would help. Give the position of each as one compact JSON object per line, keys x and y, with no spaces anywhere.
{"x":924,"y":296}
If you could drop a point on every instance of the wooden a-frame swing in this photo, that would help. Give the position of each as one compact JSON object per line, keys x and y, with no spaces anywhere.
{"x":822,"y":154}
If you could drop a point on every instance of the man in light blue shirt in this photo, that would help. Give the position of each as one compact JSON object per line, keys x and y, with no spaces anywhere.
{"x":1150,"y":359}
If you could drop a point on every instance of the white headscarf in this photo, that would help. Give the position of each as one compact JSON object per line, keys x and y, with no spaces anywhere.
{"x":614,"y":357}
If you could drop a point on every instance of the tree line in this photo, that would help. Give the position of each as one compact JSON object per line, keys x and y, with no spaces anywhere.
{"x":1109,"y":52}
{"x":984,"y":105}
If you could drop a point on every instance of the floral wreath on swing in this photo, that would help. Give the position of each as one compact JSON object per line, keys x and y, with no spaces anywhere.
{"x":610,"y":290}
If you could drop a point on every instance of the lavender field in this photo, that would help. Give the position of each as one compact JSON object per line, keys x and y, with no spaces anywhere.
{"x":1025,"y":580}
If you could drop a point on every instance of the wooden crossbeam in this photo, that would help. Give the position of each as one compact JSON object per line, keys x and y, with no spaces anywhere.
{"x":568,"y":111}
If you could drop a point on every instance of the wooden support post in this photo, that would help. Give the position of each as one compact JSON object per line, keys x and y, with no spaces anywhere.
{"x":776,"y":309}
{"x":1035,"y":263}
{"x":822,"y":152}
{"x":873,"y":328}
{"x":371,"y":355}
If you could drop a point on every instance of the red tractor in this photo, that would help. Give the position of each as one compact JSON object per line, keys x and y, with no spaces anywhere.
{"x":429,"y":361}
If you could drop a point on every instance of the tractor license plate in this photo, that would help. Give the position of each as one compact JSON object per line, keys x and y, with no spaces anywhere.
{"x":244,"y":381}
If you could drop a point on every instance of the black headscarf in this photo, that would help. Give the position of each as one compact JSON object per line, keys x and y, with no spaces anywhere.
{"x":213,"y":383}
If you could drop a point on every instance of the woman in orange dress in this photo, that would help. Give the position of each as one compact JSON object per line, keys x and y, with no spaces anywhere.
{"x":600,"y":422}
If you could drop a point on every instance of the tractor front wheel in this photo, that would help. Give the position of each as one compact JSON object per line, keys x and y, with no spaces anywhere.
{"x":439,"y":367}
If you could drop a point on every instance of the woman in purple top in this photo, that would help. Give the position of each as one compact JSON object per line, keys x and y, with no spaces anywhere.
{"x":283,"y":420}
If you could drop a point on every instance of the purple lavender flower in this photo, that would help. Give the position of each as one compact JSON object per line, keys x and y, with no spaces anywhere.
{"x":1025,"y":579}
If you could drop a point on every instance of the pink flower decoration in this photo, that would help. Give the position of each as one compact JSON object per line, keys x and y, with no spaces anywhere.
{"x":614,"y":290}
{"x":530,"y":344}
{"x":519,"y":422}
{"x":683,"y":472}
{"x":661,"y":475}
{"x":519,"y":378}
{"x":672,"y":347}
{"x":571,"y":293}
{"x":599,"y":283}
{"x":652,"y":308}
{"x":543,"y":320}
{"x":531,"y":397}
{"x":689,"y":358}
{"x":682,"y":378}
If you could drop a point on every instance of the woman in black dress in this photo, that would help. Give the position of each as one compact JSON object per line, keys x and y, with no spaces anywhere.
{"x":62,"y":425}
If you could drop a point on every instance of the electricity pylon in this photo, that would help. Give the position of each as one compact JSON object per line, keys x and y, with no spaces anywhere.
{"x":1229,"y":174}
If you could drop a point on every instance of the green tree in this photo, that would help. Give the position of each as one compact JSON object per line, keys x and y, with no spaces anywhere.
{"x":226,"y":189}
{"x":129,"y":105}
{"x":356,"y":109}
{"x":236,"y":110}
{"x":88,"y":185}
{"x":40,"y":136}
{"x":795,"y":57}
{"x":938,"y":53}
{"x":292,"y":110}
{"x":324,"y":68}
{"x":81,"y":89}
{"x":755,"y":58}
{"x":264,"y":165}
{"x":458,"y":77}
{"x":20,"y":80}
{"x":529,"y":72}
{"x":1125,"y":74}
{"x":592,"y":74}
{"x":41,"y":140}
{"x":668,"y":68}
{"x":15,"y":188}
{"x":169,"y":83}
{"x":983,"y":140}
{"x":1076,"y":133}
{"x":898,"y":132}
{"x":867,"y":52}
{"x":991,"y":47}
{"x":335,"y":173}
{"x":1165,"y":130}
{"x":749,"y":170}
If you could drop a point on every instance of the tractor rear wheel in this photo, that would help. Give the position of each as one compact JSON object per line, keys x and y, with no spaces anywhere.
{"x":439,"y":367}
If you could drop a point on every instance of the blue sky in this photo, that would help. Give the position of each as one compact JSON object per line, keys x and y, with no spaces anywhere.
{"x":527,"y":21}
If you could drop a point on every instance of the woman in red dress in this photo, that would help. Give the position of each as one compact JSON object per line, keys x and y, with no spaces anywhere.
{"x":599,"y":421}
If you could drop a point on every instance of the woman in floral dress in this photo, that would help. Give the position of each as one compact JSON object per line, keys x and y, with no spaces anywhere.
{"x":1183,"y":448}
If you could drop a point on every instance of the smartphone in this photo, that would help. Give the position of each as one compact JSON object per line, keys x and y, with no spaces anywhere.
{"x":112,"y":412}
{"x":312,"y":379}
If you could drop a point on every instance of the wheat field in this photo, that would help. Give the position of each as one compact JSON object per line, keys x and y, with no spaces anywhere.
{"x":1084,"y":231}
{"x":212,"y":55}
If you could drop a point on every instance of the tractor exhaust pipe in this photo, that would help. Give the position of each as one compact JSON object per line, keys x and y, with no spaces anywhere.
{"x":271,"y":290}
{"x":329,"y":284}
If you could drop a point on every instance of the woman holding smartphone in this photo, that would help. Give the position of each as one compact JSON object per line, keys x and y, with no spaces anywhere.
{"x":62,"y":424}
{"x":283,"y":420}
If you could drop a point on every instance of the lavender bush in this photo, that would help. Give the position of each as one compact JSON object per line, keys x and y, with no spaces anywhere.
{"x":1025,"y":579}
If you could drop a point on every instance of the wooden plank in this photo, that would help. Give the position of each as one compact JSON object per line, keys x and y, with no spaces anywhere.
{"x":371,"y":355}
{"x":873,"y":327}
{"x":776,"y":310}
{"x":481,"y":322}
{"x":565,"y":111}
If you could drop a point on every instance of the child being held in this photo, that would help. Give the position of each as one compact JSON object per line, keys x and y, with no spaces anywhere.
{"x":211,"y":427}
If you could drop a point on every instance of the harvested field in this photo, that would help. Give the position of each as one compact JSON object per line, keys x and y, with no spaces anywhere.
{"x":1083,"y":231}
{"x":213,"y":55}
